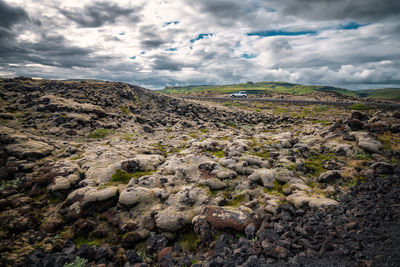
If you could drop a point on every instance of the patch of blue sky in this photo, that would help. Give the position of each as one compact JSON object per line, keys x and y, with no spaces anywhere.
{"x":122,"y":33}
{"x":143,"y":52}
{"x":169,"y":23}
{"x":281,"y":33}
{"x":201,"y":36}
{"x":350,"y":26}
{"x":132,"y":57}
{"x":248,"y":55}
{"x":171,"y":49}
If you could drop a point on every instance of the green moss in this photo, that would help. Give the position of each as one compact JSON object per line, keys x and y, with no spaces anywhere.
{"x":161,"y":148}
{"x":189,"y":241}
{"x":363,"y":156}
{"x":205,"y":130}
{"x":237,"y":199}
{"x":121,"y":176}
{"x":323,"y":122}
{"x":389,"y":141}
{"x":125,"y":110}
{"x":321,"y":108}
{"x":124,"y":177}
{"x":314,"y":164}
{"x":76,"y":157}
{"x":129,"y":137}
{"x":168,"y":129}
{"x":100,"y":133}
{"x":360,"y":106}
{"x":81,"y":240}
{"x":263,"y":153}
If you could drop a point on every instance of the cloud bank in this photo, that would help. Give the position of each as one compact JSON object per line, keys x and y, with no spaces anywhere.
{"x":346,"y":43}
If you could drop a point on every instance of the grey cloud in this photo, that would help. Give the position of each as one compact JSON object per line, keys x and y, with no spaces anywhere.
{"x":10,"y":15}
{"x":166,"y":63}
{"x":150,"y":38}
{"x":366,"y":10}
{"x":101,"y":13}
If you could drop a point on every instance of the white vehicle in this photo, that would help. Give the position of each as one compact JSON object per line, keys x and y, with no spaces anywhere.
{"x":240,"y":94}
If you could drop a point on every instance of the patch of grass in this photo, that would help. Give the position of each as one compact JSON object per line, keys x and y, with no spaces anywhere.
{"x":280,"y":111}
{"x":161,"y":148}
{"x":263,"y":153}
{"x":390,"y":141}
{"x":277,"y":190}
{"x":314,"y":164}
{"x":219,"y":154}
{"x":129,"y":137}
{"x":228,"y":104}
{"x":237,"y":199}
{"x":360,"y":106}
{"x":321,"y":108}
{"x":76,"y":157}
{"x":189,"y":241}
{"x":100,"y":133}
{"x":205,"y":130}
{"x":124,"y":177}
{"x":78,"y":262}
{"x":363,"y":156}
{"x":125,"y":110}
{"x":323,"y":122}
{"x":81,"y":240}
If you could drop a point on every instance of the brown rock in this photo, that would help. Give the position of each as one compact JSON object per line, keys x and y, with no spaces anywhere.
{"x":165,"y":252}
{"x":227,"y":217}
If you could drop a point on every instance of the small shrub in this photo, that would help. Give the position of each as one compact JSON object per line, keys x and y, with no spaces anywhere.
{"x":100,"y":133}
{"x":360,"y":106}
{"x":78,"y":262}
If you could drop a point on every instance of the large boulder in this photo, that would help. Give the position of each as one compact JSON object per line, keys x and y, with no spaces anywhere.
{"x":265,"y":176}
{"x":133,"y":195}
{"x":329,"y":176}
{"x":228,"y":217}
{"x":142,"y":163}
{"x":382,"y":168}
{"x":29,"y":150}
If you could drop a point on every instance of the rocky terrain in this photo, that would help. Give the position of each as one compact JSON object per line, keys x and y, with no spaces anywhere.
{"x":110,"y":174}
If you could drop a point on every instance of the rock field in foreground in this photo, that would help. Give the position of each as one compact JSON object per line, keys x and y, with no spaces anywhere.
{"x":109,"y":173}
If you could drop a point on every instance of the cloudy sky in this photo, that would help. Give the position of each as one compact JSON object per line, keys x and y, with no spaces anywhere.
{"x":154,"y":43}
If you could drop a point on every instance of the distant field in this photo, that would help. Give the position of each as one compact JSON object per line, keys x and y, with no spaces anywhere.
{"x":280,"y":87}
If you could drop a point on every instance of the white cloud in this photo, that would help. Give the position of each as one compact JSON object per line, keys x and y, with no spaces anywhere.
{"x":153,"y":54}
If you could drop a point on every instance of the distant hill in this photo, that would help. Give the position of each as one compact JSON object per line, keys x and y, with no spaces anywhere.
{"x":279,"y":87}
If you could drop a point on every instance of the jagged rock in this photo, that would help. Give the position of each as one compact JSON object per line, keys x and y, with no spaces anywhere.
{"x":329,"y":176}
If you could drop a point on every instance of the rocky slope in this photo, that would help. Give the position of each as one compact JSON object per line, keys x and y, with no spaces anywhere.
{"x":109,"y":173}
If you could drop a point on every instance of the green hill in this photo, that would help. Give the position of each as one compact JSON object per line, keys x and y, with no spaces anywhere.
{"x":280,"y":87}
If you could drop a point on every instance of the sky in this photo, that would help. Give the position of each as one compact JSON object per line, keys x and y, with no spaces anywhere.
{"x":353,"y":44}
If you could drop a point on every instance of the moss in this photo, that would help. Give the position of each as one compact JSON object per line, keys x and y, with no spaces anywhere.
{"x":263,"y":153}
{"x":100,"y":133}
{"x":314,"y":164}
{"x":321,"y":108}
{"x":189,"y":241}
{"x":76,"y":157}
{"x":360,"y":106}
{"x":129,"y":137}
{"x":125,"y":110}
{"x":124,"y":177}
{"x":323,"y":122}
{"x":237,"y":199}
{"x":205,"y":130}
{"x":168,"y":129}
{"x":161,"y":148}
{"x":81,"y":240}
{"x":363,"y":156}
{"x":390,"y":141}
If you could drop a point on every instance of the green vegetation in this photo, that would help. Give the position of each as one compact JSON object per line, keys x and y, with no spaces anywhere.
{"x":100,"y":133}
{"x":277,"y":190}
{"x":323,"y":122}
{"x":205,"y":130}
{"x":10,"y":184}
{"x":124,"y":177}
{"x":81,"y":240}
{"x":236,"y":200}
{"x":280,"y":87}
{"x":125,"y":110}
{"x":219,"y":154}
{"x":314,"y":164}
{"x":363,"y":156}
{"x":360,"y":106}
{"x":321,"y":108}
{"x":390,"y":141}
{"x":189,"y":241}
{"x":78,"y":262}
{"x":228,"y":104}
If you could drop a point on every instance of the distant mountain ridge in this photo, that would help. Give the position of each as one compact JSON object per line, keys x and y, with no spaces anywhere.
{"x":281,"y":87}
